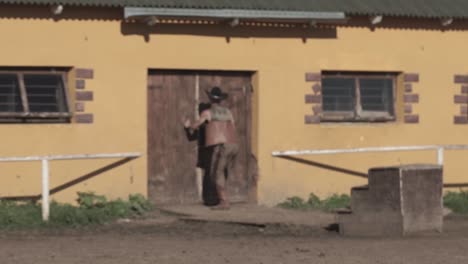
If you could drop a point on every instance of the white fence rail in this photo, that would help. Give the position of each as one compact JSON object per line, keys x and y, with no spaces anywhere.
{"x":440,"y":150}
{"x":45,"y":170}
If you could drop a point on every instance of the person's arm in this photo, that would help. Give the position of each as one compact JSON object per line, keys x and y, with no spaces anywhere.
{"x":189,"y":132}
{"x":204,"y":117}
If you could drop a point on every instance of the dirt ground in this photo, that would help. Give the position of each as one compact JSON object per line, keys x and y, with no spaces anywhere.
{"x":163,"y":238}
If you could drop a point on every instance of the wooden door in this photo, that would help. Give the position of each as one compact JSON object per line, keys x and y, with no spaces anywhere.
{"x":171,"y":157}
{"x":173,"y":95}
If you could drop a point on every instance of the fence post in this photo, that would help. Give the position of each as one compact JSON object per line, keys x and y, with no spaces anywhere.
{"x":45,"y":190}
{"x":440,"y":156}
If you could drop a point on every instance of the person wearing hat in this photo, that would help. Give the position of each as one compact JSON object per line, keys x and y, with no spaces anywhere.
{"x":220,"y":135}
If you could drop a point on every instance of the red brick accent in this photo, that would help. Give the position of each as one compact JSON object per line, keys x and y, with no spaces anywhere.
{"x":460,"y":120}
{"x":84,"y":73}
{"x":464,"y":109}
{"x":411,"y":77}
{"x":408,"y":88}
{"x":408,"y":109}
{"x":460,"y":99}
{"x":412,"y":119}
{"x":84,"y":96}
{"x":411,"y":98}
{"x":80,"y":84}
{"x":84,"y":118}
{"x":79,"y":107}
{"x":313,"y":76}
{"x":313,"y":99}
{"x":464,"y":89}
{"x":460,"y":79}
{"x":316,"y":88}
{"x":310,"y":119}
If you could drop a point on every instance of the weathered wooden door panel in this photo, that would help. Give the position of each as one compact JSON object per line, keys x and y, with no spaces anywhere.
{"x":171,"y":157}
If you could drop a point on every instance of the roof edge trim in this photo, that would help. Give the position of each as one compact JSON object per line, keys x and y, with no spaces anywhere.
{"x":136,"y":12}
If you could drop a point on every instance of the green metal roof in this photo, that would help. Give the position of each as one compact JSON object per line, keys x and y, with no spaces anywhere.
{"x":408,"y":8}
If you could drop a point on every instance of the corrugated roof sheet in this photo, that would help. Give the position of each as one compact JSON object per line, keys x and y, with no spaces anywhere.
{"x":409,"y":8}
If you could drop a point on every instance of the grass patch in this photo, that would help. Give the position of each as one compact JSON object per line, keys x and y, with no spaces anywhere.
{"x":92,"y":209}
{"x":457,"y":201}
{"x":328,"y":204}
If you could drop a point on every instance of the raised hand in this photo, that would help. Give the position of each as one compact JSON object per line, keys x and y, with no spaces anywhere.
{"x":187,"y":123}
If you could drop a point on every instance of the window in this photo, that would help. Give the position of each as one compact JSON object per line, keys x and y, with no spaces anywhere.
{"x":358,"y":96}
{"x":33,"y":96}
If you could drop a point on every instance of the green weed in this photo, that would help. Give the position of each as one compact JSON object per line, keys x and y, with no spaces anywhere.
{"x":457,"y":201}
{"x":92,"y":209}
{"x":328,"y":204}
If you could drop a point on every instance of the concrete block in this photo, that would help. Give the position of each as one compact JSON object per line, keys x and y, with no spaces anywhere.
{"x":397,"y":201}
{"x":360,"y":201}
{"x":422,"y":205}
{"x":384,"y":187}
{"x":371,"y":224}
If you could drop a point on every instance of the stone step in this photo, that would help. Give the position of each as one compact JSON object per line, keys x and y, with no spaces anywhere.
{"x":370,"y":224}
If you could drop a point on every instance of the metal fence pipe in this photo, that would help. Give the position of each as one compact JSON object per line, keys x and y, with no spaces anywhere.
{"x":45,"y":190}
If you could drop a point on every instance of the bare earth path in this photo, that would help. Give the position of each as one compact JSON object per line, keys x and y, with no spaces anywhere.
{"x":168,"y":239}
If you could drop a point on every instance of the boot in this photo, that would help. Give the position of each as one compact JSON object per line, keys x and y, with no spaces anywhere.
{"x":223,"y":200}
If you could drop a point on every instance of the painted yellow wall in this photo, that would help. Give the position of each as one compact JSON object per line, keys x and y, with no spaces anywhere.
{"x":120,"y":56}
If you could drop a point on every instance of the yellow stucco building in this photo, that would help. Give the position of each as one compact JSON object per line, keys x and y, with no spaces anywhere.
{"x":302,"y":77}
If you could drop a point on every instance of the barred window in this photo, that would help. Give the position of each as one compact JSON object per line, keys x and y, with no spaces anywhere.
{"x":358,"y":96}
{"x":33,"y":96}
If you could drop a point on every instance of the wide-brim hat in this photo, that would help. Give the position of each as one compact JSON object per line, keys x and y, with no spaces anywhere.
{"x":216,"y":93}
